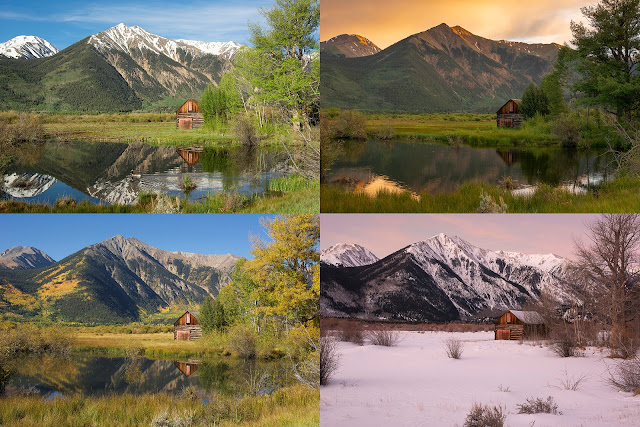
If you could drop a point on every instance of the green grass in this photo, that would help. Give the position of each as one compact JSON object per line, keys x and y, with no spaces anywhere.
{"x":290,"y":406}
{"x":620,"y":195}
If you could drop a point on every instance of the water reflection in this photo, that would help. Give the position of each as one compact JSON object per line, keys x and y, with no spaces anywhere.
{"x":436,"y":168}
{"x":90,"y":375}
{"x":118,"y":173}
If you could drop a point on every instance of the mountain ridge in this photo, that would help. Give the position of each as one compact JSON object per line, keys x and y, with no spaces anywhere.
{"x":442,"y":279}
{"x":27,"y":47}
{"x":441,"y":69}
{"x":117,"y":280}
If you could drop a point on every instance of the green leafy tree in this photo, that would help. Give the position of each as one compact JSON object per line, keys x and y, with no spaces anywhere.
{"x":206,"y":315}
{"x":534,"y":101}
{"x":552,"y":88}
{"x":282,"y":65}
{"x":608,"y":55}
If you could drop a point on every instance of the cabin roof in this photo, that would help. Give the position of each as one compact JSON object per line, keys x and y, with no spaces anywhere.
{"x":528,"y":317}
{"x":517,"y":101}
{"x":195,"y":313}
{"x":197,"y":101}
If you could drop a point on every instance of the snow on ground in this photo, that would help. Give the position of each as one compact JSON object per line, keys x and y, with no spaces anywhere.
{"x":415,"y":384}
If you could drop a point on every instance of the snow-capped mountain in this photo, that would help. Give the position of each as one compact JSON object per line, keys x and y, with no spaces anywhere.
{"x":440,"y":279}
{"x":127,"y":39}
{"x":28,"y":47}
{"x":24,"y":258}
{"x":27,"y":184}
{"x":347,"y":255}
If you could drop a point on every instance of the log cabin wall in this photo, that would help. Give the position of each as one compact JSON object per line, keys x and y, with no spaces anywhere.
{"x":509,"y":115}
{"x":189,"y":115}
{"x":509,"y":327}
{"x":187,"y":327}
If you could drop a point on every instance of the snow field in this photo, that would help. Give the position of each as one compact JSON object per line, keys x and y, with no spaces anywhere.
{"x":416,"y":384}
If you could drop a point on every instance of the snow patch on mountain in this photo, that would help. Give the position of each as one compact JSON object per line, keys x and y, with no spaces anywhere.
{"x":29,"y":47}
{"x":347,"y":255}
{"x":125,"y":39}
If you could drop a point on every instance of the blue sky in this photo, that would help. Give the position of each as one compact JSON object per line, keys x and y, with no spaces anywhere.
{"x":61,"y":235}
{"x":65,"y":22}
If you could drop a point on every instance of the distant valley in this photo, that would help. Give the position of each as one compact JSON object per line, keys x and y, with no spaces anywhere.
{"x":439,"y":279}
{"x":120,"y":69}
{"x":442,"y":69}
{"x":117,"y":280}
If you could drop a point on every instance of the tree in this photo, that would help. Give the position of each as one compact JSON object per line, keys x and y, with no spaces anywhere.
{"x":552,"y":88}
{"x":282,"y":64}
{"x":534,"y":101}
{"x":608,"y":55}
{"x":609,"y":266}
{"x":286,"y":269}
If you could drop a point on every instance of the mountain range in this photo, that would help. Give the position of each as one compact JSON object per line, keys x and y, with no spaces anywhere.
{"x":117,"y":280}
{"x":441,"y":279}
{"x":439,"y":70}
{"x":120,"y":69}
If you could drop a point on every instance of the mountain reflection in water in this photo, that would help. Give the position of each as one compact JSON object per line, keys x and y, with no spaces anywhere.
{"x":118,"y":173}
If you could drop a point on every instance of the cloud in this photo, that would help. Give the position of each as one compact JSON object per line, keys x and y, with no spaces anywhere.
{"x":388,"y":22}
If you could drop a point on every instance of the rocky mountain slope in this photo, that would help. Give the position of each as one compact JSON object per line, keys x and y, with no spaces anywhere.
{"x":441,"y":279}
{"x":348,"y":46}
{"x":24,"y":258}
{"x":439,"y":70}
{"x":27,"y":47}
{"x":117,"y":280}
{"x":347,"y":255}
{"x":120,"y":69}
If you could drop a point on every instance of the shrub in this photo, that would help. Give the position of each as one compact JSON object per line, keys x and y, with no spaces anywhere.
{"x":485,"y":416}
{"x":187,"y":184}
{"x":539,"y":406}
{"x":329,"y":358}
{"x":243,"y":341}
{"x":566,"y":129}
{"x":564,"y":344}
{"x":489,"y":205}
{"x":626,"y":375}
{"x":349,"y":125}
{"x":351,"y":332}
{"x":454,"y":348}
{"x":244,"y":130}
{"x":384,"y":337}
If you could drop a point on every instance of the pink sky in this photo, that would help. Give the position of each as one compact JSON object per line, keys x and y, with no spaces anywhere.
{"x":527,"y":233}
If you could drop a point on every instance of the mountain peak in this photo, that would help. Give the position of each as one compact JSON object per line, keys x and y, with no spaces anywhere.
{"x":29,"y":47}
{"x":347,"y":255}
{"x":461,"y":31}
{"x":349,"y":46}
{"x":24,"y":258}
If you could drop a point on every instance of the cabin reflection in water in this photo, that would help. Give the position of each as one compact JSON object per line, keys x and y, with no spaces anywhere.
{"x":510,"y":157}
{"x":187,"y":368}
{"x":191,"y":155}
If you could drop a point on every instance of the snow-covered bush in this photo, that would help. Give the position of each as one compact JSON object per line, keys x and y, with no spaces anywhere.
{"x":485,"y":416}
{"x":329,"y":358}
{"x":626,"y":375}
{"x":454,"y":348}
{"x":539,"y":406}
{"x":385,"y":338}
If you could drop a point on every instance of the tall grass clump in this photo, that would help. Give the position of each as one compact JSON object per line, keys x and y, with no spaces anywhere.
{"x":385,"y":338}
{"x":485,"y":416}
{"x":453,"y":348}
{"x":292,"y":183}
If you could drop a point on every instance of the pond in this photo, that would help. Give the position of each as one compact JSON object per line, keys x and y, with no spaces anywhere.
{"x":439,"y":168}
{"x":113,"y":173}
{"x":53,"y":376}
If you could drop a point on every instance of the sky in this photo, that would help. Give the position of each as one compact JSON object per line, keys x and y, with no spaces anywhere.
{"x":64,"y":22}
{"x":386,"y":22}
{"x":60,"y":235}
{"x":526,"y":233}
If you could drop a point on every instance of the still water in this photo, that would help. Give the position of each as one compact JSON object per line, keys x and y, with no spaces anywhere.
{"x":117,"y":173}
{"x":50,"y":376}
{"x":439,"y":168}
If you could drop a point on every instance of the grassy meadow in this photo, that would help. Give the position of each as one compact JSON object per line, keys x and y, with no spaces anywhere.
{"x":618,"y":196}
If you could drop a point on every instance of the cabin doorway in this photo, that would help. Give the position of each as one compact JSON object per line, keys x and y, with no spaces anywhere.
{"x":501,"y":334}
{"x":186,"y":123}
{"x":183,"y":336}
{"x":506,"y":123}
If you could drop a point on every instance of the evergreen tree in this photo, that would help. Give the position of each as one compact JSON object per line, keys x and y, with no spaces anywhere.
{"x":534,"y":101}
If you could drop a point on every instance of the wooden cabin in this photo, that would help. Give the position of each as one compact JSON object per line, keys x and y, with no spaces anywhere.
{"x":509,"y":115}
{"x":187,"y":368}
{"x":517,"y":324}
{"x":187,"y":327}
{"x":189,"y":115}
